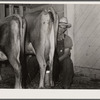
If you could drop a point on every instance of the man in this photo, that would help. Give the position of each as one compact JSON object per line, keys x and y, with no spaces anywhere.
{"x":64,"y":63}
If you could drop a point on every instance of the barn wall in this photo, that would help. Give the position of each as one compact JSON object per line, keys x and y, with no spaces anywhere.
{"x":22,"y":9}
{"x":59,"y":8}
{"x":86,"y":34}
{"x":69,"y":13}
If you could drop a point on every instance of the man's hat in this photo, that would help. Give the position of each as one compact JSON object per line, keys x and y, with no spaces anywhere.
{"x":63,"y":21}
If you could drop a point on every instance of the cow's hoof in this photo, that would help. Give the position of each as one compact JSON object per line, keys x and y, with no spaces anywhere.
{"x":18,"y":87}
{"x":41,"y":88}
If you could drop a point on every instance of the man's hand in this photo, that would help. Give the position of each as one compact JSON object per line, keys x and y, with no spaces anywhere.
{"x":66,"y":54}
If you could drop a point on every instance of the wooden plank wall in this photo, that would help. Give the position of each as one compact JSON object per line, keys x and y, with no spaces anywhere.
{"x":69,"y":13}
{"x":87,"y":38}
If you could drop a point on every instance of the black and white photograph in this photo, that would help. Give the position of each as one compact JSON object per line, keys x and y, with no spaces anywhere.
{"x":49,"y":46}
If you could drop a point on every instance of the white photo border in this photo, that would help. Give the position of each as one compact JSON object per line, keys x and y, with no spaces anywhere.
{"x":49,"y":93}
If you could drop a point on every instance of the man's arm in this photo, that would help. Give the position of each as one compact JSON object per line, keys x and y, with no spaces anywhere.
{"x":66,"y":54}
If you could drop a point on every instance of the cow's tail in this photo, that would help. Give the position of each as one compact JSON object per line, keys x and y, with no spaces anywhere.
{"x":22,"y":27}
{"x":22,"y":55}
{"x":53,"y":38}
{"x":54,"y":17}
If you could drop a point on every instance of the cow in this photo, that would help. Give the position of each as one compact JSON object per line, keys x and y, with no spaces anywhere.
{"x":11,"y":44}
{"x":40,"y":38}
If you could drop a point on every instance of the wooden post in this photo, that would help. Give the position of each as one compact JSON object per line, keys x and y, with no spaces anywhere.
{"x":2,"y":11}
{"x":27,"y":10}
{"x":10,"y":9}
{"x":15,"y":11}
{"x":21,"y":10}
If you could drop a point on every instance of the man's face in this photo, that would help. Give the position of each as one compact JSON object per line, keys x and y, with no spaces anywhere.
{"x":62,"y":28}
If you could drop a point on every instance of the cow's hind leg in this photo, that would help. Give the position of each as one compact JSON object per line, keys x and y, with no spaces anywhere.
{"x":14,"y":61}
{"x":51,"y":55}
{"x":42,"y":65}
{"x":51,"y":73}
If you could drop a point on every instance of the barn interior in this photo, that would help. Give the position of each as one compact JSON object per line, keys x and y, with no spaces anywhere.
{"x":85,"y":34}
